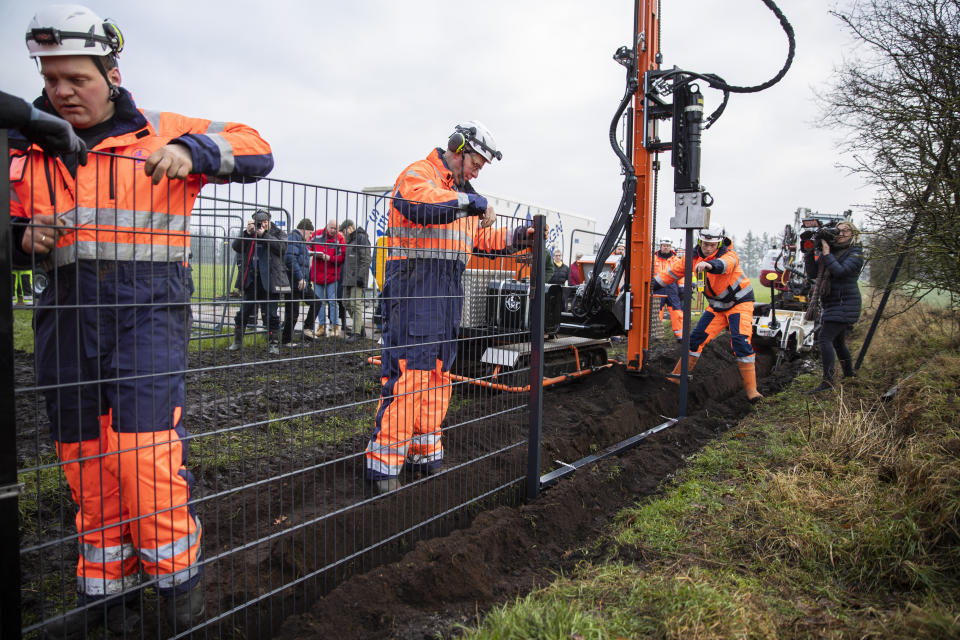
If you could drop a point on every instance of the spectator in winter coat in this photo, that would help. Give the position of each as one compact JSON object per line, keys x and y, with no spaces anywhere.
{"x":264,"y":277}
{"x":297,"y":259}
{"x":561,"y":272}
{"x":576,"y":275}
{"x":842,"y":260}
{"x":327,"y":249}
{"x":356,"y":266}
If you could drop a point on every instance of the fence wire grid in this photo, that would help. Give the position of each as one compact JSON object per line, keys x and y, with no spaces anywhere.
{"x":239,"y":428}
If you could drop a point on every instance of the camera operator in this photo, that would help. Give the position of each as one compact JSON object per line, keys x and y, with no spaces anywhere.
{"x":835,"y":260}
{"x":264,"y":278}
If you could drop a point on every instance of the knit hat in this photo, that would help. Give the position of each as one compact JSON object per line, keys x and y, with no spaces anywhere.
{"x":305,"y":224}
{"x":346,"y":224}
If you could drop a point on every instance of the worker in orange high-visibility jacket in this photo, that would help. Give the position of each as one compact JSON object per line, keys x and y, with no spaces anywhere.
{"x":112,"y":236}
{"x":666,"y":259}
{"x":436,"y":221}
{"x":730,"y":297}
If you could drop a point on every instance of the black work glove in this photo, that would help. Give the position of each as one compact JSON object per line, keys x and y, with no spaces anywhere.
{"x":54,"y":134}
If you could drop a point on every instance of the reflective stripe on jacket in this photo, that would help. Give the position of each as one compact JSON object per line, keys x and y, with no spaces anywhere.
{"x":725,"y":283}
{"x":667,"y":263}
{"x":430,"y":219}
{"x":111,"y":210}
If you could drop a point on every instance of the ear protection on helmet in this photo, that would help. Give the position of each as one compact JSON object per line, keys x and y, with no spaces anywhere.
{"x":114,"y":36}
{"x":458,"y":139}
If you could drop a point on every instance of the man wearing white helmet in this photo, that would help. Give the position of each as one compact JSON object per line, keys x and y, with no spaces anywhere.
{"x":730,"y":295}
{"x":436,"y":221}
{"x":664,"y":259}
{"x":112,"y":326}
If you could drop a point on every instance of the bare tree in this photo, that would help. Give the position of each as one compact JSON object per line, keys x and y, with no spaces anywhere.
{"x":896,"y":100}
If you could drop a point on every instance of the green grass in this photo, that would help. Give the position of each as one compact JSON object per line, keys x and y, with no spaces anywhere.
{"x":211,"y":281}
{"x":833,"y":516}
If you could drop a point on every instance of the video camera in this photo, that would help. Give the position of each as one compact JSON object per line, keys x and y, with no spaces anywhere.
{"x":815,"y":231}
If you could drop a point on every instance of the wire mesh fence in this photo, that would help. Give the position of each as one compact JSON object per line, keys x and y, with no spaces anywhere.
{"x":218,"y":417}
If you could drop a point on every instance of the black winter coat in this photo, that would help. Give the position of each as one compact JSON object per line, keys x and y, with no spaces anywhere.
{"x":356,"y":261}
{"x":560,"y":274}
{"x":842,"y":302}
{"x":262,"y":259}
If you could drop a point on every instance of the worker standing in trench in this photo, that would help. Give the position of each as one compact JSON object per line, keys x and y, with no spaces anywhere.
{"x":436,"y":221}
{"x":730,"y":297}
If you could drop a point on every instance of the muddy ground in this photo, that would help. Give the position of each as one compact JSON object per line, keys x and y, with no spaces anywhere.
{"x":279,"y":509}
{"x":507,"y":551}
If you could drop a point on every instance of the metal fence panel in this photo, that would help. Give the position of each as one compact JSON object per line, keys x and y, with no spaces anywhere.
{"x":247,"y":472}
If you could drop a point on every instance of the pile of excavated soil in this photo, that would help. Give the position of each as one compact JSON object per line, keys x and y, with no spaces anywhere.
{"x":506,"y":552}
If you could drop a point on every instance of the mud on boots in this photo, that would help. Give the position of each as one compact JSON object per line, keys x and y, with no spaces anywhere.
{"x":184,"y":610}
{"x":674,"y":376}
{"x":748,"y":372}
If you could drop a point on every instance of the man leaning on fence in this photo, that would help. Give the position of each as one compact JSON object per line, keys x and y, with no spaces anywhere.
{"x":436,"y":221}
{"x":112,"y":323}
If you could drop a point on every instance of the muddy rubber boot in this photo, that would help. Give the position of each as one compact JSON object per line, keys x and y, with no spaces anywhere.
{"x":386,"y":485}
{"x":123,"y":618}
{"x":674,"y":376}
{"x":748,"y":371}
{"x":74,"y":624}
{"x":185,"y":610}
{"x":237,"y":340}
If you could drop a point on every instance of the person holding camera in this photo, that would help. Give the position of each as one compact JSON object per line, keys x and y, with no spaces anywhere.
{"x":264,"y":277}
{"x":836,"y":266}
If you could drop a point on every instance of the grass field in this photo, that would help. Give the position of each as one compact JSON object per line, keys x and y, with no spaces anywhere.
{"x":829,"y":516}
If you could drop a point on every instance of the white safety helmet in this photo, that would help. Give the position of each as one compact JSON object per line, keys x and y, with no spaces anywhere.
{"x":712,"y":234}
{"x":72,"y":30}
{"x":666,"y":241}
{"x":472,"y":135}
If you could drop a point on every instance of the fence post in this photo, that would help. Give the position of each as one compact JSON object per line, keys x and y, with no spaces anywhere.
{"x":9,"y":489}
{"x":536,"y":359}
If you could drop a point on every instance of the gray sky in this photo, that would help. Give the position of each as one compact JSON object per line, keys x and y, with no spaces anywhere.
{"x":348,"y":93}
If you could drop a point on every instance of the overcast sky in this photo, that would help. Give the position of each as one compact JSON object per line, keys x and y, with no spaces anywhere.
{"x":348,"y":93}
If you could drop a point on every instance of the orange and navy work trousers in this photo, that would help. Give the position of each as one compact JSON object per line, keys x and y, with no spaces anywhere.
{"x":738,"y":319}
{"x":421,"y":305}
{"x":131,"y":490}
{"x":111,"y":343}
{"x":411,"y":410}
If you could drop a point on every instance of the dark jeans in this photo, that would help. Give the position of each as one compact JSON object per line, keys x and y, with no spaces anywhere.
{"x":254,"y":296}
{"x":291,"y":310}
{"x":833,"y":340}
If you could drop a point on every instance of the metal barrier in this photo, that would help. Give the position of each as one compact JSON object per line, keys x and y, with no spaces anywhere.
{"x":259,"y":477}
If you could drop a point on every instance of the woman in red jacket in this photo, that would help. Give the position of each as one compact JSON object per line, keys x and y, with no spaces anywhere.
{"x":327,"y":249}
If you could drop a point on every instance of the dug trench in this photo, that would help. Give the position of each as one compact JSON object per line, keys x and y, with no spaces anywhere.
{"x":295,"y":532}
{"x":507,"y":551}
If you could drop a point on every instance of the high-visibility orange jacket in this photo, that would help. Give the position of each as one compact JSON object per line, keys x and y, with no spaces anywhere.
{"x":430,"y":219}
{"x":725,"y":286}
{"x":667,"y":263}
{"x":117,"y":213}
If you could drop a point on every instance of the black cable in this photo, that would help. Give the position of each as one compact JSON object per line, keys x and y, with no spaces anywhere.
{"x":682,"y":77}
